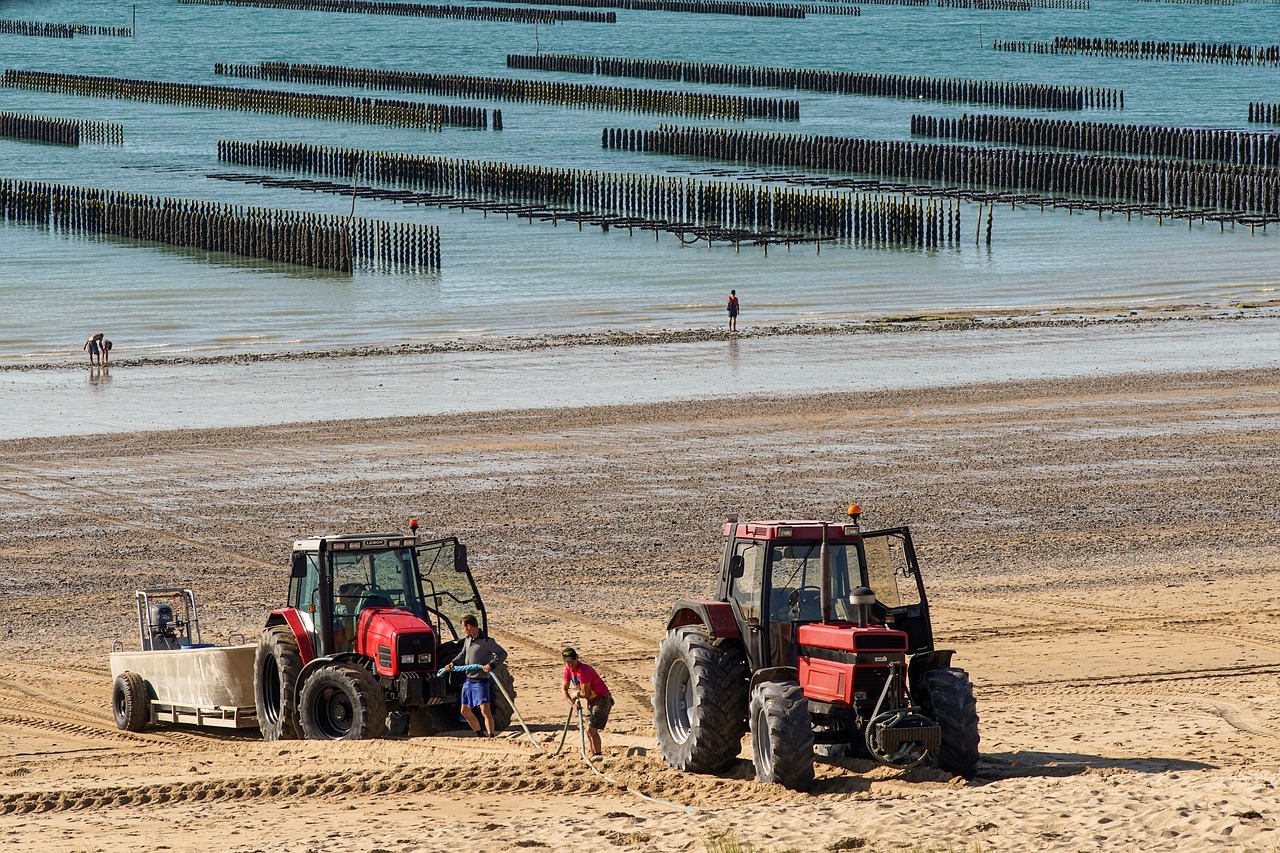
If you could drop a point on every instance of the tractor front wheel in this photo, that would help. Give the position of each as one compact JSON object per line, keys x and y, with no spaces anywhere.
{"x":277,"y":665}
{"x":782,"y":734}
{"x":699,"y":701}
{"x":130,"y":702}
{"x":951,"y":704}
{"x":342,"y":703}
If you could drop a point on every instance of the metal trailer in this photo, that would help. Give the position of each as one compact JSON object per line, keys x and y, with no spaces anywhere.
{"x":175,"y":677}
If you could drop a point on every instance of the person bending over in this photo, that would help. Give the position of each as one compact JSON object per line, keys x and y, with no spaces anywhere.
{"x":581,"y":681}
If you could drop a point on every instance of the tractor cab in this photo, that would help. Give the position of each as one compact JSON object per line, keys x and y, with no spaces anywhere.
{"x":337,"y":580}
{"x":773,"y":577}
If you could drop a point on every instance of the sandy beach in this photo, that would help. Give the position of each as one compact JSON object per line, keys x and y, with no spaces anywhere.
{"x":1100,"y":549}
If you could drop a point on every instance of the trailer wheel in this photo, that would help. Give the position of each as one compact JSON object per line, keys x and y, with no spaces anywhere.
{"x":699,"y":701}
{"x":130,"y":702}
{"x":782,"y":734}
{"x":501,"y":709}
{"x":276,"y":667}
{"x":951,"y":704}
{"x":342,"y":703}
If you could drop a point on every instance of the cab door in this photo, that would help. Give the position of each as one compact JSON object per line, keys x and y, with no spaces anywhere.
{"x":894,"y":576}
{"x":448,"y":590}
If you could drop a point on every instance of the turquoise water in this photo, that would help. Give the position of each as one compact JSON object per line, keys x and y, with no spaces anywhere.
{"x":513,"y":278}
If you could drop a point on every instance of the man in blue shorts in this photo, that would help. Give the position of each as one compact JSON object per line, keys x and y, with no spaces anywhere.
{"x":477,"y":648}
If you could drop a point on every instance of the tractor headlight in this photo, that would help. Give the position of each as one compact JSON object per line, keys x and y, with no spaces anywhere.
{"x":406,"y":658}
{"x":424,"y":658}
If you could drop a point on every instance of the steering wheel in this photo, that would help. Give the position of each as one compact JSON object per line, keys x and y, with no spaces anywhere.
{"x":797,"y":599}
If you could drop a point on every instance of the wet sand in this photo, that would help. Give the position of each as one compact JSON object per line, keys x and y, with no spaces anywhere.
{"x":618,"y":369}
{"x":1100,"y":543}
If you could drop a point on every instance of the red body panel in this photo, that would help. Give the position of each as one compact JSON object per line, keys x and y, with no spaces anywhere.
{"x":715,"y":616}
{"x":848,"y":637}
{"x":832,"y":677}
{"x":294,"y":621}
{"x":376,"y":636}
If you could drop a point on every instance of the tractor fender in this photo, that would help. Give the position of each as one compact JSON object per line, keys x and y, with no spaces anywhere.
{"x":290,"y":618}
{"x":774,"y":673}
{"x":715,"y":617}
{"x":320,"y":663}
{"x":922,"y":663}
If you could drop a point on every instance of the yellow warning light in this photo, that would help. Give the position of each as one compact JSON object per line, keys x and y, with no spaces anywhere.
{"x":854,"y":511}
{"x":413,"y":525}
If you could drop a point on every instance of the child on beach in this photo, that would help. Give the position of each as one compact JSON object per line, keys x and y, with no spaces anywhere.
{"x":92,"y":347}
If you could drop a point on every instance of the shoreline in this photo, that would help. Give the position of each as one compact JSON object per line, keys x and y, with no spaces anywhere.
{"x":145,"y":398}
{"x":923,"y":323}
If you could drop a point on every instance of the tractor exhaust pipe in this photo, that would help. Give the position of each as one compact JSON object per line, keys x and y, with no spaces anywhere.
{"x":824,"y":587}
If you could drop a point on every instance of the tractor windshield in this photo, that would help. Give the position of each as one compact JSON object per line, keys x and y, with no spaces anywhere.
{"x":375,"y":579}
{"x":796,"y":587}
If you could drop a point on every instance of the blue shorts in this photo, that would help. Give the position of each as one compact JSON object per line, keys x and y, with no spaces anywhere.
{"x":475,"y":693}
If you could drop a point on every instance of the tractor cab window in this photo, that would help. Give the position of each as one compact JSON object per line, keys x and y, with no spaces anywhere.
{"x":304,"y":590}
{"x":447,"y":593}
{"x":795,"y":592}
{"x":889,"y":572}
{"x":746,"y":589}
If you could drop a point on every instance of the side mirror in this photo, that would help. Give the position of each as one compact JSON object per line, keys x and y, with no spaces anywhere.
{"x":460,"y":558}
{"x":299,"y":569}
{"x":737,"y":566}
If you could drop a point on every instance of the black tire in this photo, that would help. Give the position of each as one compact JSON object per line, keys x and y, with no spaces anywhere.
{"x":949,"y":701}
{"x":699,"y":701}
{"x":342,"y":702}
{"x":501,"y":709}
{"x":782,"y":734}
{"x":276,"y":667}
{"x":131,"y":702}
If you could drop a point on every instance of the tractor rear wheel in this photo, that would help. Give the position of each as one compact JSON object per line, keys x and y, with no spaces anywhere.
{"x":276,"y":667}
{"x":499,"y":705}
{"x":699,"y":701}
{"x":342,"y":703}
{"x":782,"y":734}
{"x":951,"y":704}
{"x":130,"y":702}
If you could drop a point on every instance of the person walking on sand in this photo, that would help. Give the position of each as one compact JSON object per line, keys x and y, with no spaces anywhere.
{"x":93,"y":347}
{"x":581,"y":682}
{"x":732,"y":305}
{"x":477,"y":648}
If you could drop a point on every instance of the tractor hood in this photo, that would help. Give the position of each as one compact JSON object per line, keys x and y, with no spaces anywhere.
{"x":396,"y":640}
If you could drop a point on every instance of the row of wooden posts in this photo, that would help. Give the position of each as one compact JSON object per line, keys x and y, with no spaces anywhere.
{"x":423,"y":10}
{"x":1169,"y":51}
{"x":751,"y":9}
{"x":409,"y":114}
{"x":627,"y":99}
{"x":44,"y":29}
{"x":854,"y":217}
{"x":1242,"y":148}
{"x":1246,"y":191}
{"x":61,"y":131}
{"x":1260,"y":113}
{"x":949,"y":89}
{"x":296,"y":237}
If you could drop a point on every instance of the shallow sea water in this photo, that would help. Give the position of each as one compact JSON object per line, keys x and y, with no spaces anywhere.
{"x":515,"y":278}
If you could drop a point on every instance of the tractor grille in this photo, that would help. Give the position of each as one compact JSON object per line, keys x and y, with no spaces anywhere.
{"x":420,"y":646}
{"x":868,"y":681}
{"x":881,"y":642}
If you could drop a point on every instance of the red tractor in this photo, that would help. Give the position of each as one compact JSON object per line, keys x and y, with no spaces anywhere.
{"x":369,"y":622}
{"x":819,"y":635}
